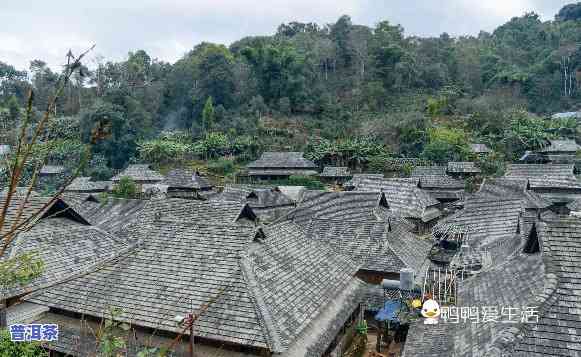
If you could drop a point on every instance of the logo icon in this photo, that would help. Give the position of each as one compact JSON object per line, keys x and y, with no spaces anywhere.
{"x":431,"y":311}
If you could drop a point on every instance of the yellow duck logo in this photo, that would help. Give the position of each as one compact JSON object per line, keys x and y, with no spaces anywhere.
{"x":431,"y":311}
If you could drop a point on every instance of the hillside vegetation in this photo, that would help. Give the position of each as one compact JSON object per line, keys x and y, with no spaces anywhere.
{"x":347,"y":94}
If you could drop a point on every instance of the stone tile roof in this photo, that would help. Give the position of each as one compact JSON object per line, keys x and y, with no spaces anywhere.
{"x":335,"y":171}
{"x":545,"y":175}
{"x":296,"y":278}
{"x":271,"y":289}
{"x":364,"y":242}
{"x":66,"y":248}
{"x":139,"y":173}
{"x":511,"y":187}
{"x":462,"y":167}
{"x":561,"y":146}
{"x":255,"y":197}
{"x":559,"y":327}
{"x":282,"y":160}
{"x":153,"y":283}
{"x":480,"y":148}
{"x":348,"y":206}
{"x":491,"y":223}
{"x":35,"y":207}
{"x":186,"y":179}
{"x":357,"y":178}
{"x":85,"y":184}
{"x":403,"y":196}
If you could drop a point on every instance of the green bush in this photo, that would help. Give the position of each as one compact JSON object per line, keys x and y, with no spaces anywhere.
{"x":221,"y":167}
{"x":19,"y":349}
{"x":126,"y":188}
{"x":307,"y":181}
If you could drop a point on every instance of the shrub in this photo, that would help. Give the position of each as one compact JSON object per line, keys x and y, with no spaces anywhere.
{"x":20,"y":349}
{"x":221,"y":167}
{"x":126,"y":188}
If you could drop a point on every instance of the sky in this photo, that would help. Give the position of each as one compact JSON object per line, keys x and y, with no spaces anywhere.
{"x":166,"y":29}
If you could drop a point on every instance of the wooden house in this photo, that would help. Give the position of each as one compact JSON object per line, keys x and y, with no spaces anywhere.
{"x":182,"y":183}
{"x":335,"y":174}
{"x":438,"y":183}
{"x":404,"y":198}
{"x":555,"y":182}
{"x":268,"y":203}
{"x":247,"y":300}
{"x":462,"y":169}
{"x":281,"y":165}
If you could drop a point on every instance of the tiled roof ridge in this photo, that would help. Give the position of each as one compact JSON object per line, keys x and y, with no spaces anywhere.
{"x":269,"y":324}
{"x":508,"y":339}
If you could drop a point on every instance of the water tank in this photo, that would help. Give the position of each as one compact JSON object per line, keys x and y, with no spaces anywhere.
{"x":390,"y":284}
{"x":406,"y":279}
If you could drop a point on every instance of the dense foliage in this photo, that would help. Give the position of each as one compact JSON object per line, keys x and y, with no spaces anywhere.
{"x":391,"y":94}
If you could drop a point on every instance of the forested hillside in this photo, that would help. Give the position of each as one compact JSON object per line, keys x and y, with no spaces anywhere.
{"x":340,"y":91}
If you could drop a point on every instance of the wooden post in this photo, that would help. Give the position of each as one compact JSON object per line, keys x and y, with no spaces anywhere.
{"x":192,"y":338}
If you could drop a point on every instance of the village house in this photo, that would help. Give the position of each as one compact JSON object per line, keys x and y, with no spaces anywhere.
{"x":438,"y":183}
{"x":142,"y":174}
{"x":543,"y":280}
{"x":479,"y":149}
{"x":87,"y":185}
{"x":555,"y":182}
{"x":561,"y":151}
{"x":280,"y":166}
{"x":462,"y":170}
{"x":183,"y":183}
{"x":248,"y":300}
{"x":268,"y":203}
{"x":404,"y":198}
{"x":336,"y":175}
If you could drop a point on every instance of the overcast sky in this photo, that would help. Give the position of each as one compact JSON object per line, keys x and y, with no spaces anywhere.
{"x":166,"y":29}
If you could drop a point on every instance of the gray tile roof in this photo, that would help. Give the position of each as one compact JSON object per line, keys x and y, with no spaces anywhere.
{"x":186,"y":179}
{"x":545,"y":175}
{"x":348,"y":206}
{"x":85,"y":184}
{"x":282,"y":160}
{"x":561,"y":146}
{"x":154,"y":283}
{"x":559,"y":327}
{"x":512,"y":187}
{"x":65,"y":248}
{"x":492,"y":224}
{"x":255,"y":197}
{"x":36,"y":207}
{"x":371,"y":245}
{"x":139,"y":173}
{"x":404,"y":197}
{"x":463,"y":167}
{"x":336,"y":171}
{"x":480,"y":148}
{"x":270,"y":290}
{"x":295,"y":279}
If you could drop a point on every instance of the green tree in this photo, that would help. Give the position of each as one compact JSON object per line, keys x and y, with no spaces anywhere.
{"x":208,"y":115}
{"x":126,"y":188}
{"x":445,"y":145}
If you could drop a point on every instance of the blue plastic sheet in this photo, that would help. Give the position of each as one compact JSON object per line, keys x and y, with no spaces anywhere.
{"x":389,"y":311}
